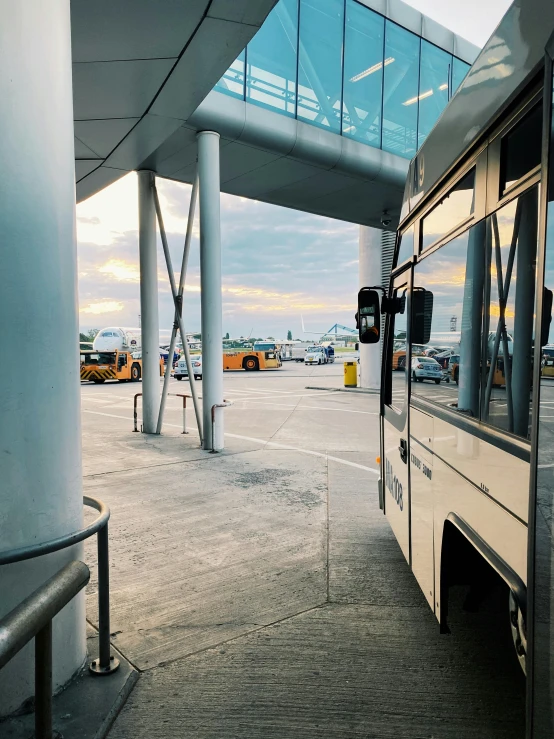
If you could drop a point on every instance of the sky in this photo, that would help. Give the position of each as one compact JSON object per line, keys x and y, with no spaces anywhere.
{"x":278,"y":265}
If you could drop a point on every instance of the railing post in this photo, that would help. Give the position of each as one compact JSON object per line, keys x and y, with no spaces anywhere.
{"x":43,"y":683}
{"x":180,"y":395}
{"x":105,"y":664}
{"x":135,"y":411}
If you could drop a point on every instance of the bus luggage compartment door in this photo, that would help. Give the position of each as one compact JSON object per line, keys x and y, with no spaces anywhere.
{"x":421,"y":499}
{"x":397,"y":496}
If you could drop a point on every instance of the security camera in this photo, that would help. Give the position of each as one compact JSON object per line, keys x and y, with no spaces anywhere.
{"x":386,"y":219}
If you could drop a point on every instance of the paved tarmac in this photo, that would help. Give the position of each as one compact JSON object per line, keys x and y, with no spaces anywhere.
{"x":261,"y":592}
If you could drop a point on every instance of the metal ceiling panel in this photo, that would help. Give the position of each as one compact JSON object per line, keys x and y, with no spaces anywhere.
{"x":85,"y":166}
{"x":109,"y":30}
{"x":252,"y":14}
{"x":82,"y":151}
{"x":149,"y":133}
{"x":104,"y":135}
{"x":238,"y":159}
{"x":96,"y":181}
{"x":208,"y":51}
{"x":117,"y":89}
{"x":270,"y":177}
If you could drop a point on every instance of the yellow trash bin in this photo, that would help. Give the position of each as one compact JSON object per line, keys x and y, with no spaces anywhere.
{"x":350,"y":374}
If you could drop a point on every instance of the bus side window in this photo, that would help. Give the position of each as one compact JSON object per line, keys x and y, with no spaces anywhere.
{"x":510,"y":320}
{"x":395,"y":379}
{"x":455,"y":275}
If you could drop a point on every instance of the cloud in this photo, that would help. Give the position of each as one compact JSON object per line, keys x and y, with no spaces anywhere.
{"x":122,"y":271}
{"x":277,"y":263}
{"x":106,"y":306}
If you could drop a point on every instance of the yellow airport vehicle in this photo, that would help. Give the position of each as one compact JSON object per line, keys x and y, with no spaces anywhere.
{"x":251,"y":360}
{"x":122,"y":366}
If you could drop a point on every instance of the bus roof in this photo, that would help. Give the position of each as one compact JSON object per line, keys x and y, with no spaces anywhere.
{"x":513,"y":52}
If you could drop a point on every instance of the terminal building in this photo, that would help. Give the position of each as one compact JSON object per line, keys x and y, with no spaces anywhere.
{"x":316,"y":105}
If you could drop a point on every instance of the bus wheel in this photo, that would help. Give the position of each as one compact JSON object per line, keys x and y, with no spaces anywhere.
{"x":251,"y":363}
{"x":99,"y":381}
{"x":178,"y":377}
{"x":135,"y":373}
{"x":437,"y":382}
{"x":519,"y":632}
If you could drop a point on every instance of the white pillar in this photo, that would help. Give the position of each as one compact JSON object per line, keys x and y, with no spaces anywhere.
{"x":210,"y":286}
{"x":370,"y":266}
{"x":40,"y":428}
{"x":149,"y":321}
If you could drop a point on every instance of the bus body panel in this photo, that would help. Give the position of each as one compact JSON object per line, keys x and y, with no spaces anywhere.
{"x":236,"y":360}
{"x":421,"y":498}
{"x":497,"y":473}
{"x":502,"y":532}
{"x":395,"y":485}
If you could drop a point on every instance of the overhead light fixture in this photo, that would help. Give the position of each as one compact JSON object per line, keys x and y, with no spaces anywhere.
{"x":348,"y":128}
{"x":444,"y":86}
{"x":423,"y":95}
{"x":374,"y":68}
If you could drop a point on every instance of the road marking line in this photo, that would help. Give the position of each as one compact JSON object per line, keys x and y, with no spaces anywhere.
{"x":301,"y":407}
{"x":264,"y":442}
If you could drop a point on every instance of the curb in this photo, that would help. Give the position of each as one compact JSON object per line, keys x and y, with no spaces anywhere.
{"x":360,"y":390}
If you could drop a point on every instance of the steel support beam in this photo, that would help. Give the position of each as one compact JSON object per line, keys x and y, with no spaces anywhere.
{"x":210,"y":285}
{"x":150,"y":327}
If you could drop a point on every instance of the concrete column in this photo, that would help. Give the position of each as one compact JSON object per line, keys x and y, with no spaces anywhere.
{"x":370,"y":263}
{"x":210,"y":286}
{"x":40,"y":428}
{"x":150,"y":325}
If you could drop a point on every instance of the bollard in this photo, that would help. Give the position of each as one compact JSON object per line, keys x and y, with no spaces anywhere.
{"x":350,"y":374}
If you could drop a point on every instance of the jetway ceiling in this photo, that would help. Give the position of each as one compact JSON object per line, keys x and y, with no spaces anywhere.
{"x":140,"y":69}
{"x":283,"y":161}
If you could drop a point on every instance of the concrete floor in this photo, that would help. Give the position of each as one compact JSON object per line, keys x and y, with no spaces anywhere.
{"x":261,"y":592}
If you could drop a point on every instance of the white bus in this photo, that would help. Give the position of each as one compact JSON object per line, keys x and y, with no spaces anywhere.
{"x":467,"y":470}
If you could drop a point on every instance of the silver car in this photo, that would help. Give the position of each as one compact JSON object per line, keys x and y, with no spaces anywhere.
{"x":182,"y":371}
{"x":426,"y":368}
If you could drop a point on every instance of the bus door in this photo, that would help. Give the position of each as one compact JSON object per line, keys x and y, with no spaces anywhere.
{"x":395,"y":433}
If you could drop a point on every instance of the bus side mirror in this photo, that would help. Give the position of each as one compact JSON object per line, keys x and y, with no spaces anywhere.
{"x":422,"y":315}
{"x":368,"y":317}
{"x":546,"y":315}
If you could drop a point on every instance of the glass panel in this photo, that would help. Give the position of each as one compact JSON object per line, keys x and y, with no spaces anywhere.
{"x":396,"y":380}
{"x":363,"y":74}
{"x":400,"y":87}
{"x":543,"y":564}
{"x":271,"y":67}
{"x":232,"y":82}
{"x":433,"y":87}
{"x":510,"y":333}
{"x":459,"y":72}
{"x":521,"y":149}
{"x":406,"y":249}
{"x":447,"y":369}
{"x":320,"y":62}
{"x":452,"y":210}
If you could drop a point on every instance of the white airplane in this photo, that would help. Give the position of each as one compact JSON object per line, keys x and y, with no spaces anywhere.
{"x":115,"y":338}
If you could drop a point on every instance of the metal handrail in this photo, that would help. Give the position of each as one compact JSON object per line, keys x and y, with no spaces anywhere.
{"x":62,"y":542}
{"x":33,"y":618}
{"x":175,"y":395}
{"x":105,"y":664}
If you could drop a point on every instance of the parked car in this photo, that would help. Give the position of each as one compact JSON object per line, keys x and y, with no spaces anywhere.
{"x":315,"y":355}
{"x":426,"y":368}
{"x":181,"y":367}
